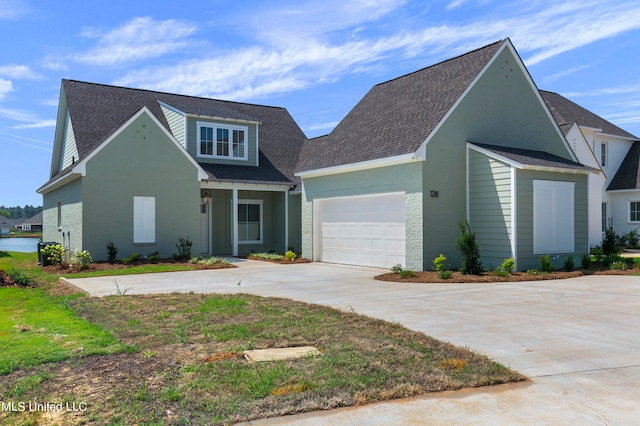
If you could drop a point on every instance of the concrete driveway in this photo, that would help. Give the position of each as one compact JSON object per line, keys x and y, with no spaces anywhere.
{"x":578,"y":340}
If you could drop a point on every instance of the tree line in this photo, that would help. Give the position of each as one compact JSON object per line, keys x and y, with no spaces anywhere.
{"x":18,"y":212}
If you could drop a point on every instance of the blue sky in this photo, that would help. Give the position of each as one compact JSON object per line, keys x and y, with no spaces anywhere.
{"x":315,"y":58}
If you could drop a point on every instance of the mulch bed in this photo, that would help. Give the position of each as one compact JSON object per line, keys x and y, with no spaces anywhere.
{"x":488,"y":277}
{"x":105,"y":266}
{"x":5,"y":280}
{"x":283,"y":261}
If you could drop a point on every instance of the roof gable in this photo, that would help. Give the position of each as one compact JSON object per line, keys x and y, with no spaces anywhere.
{"x":395,"y":117}
{"x":628,"y":174}
{"x":565,"y":111}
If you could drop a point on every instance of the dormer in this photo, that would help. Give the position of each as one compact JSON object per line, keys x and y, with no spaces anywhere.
{"x":215,"y":139}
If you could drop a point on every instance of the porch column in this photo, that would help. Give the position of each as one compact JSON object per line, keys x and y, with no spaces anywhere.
{"x":286,"y":219}
{"x":234,"y":222}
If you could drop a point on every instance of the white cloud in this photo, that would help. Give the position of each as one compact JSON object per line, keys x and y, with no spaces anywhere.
{"x":564,"y":73}
{"x":54,"y":63}
{"x":5,"y":87}
{"x":36,"y":125}
{"x":12,"y":9}
{"x":321,"y":126}
{"x":139,"y":39}
{"x":18,"y":72}
{"x":49,"y":102}
{"x":297,"y":52}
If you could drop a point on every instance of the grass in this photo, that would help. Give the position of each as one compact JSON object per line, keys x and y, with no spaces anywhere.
{"x":177,"y":358}
{"x":189,"y":361}
{"x":37,"y":328}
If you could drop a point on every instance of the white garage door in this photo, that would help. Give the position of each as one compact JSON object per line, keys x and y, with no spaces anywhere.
{"x":367,"y":231}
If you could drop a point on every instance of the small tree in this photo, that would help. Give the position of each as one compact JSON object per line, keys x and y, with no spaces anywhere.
{"x":468,"y":246}
{"x":609,"y":242}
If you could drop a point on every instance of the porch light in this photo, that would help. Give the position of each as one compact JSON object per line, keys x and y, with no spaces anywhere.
{"x":206,"y":198}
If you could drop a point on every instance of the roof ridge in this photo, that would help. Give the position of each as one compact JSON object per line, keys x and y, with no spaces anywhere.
{"x":170,"y":94}
{"x":442,"y":62}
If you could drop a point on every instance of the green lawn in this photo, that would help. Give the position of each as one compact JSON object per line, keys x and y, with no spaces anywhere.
{"x":36,"y":327}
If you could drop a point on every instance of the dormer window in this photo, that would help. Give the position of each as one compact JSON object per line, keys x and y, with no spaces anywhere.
{"x":222,"y":141}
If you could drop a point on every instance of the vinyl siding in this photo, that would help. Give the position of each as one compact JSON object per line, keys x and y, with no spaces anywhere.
{"x":176,"y":123}
{"x":490,"y":210}
{"x":71,"y":226}
{"x":69,"y":149}
{"x":524,"y":181}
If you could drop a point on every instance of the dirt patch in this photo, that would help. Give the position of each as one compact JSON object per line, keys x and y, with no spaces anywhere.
{"x":5,"y":280}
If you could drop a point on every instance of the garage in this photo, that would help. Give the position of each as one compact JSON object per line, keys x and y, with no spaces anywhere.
{"x":364,"y":230}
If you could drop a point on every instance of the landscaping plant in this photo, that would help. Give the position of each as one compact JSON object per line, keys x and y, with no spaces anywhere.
{"x":55,"y":254}
{"x":184,"y":249}
{"x":439,"y":264}
{"x":609,"y":242}
{"x":568,"y":264}
{"x":546,"y":265}
{"x":468,"y":246}
{"x":112,"y":252}
{"x":585,"y":260}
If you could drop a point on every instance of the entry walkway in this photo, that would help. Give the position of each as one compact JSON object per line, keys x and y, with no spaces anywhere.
{"x":578,"y":340}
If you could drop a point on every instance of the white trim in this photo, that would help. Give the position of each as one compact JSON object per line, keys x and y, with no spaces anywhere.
{"x":621,"y":191}
{"x":234,"y":222}
{"x":514,"y":217}
{"x":537,"y":185}
{"x":144,"y":220}
{"x":81,"y":167}
{"x":364,"y":165}
{"x":286,"y":219}
{"x":244,"y":186}
{"x":257,"y":145}
{"x":467,"y":213}
{"x":230,"y":128}
{"x":217,"y":118}
{"x":521,"y":166}
{"x":252,"y":202}
{"x":172,"y":108}
{"x":629,"y":221}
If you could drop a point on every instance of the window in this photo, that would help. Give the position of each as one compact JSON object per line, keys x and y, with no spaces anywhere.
{"x":603,"y":154}
{"x":222,"y":141}
{"x":144,"y":219}
{"x":604,"y":217}
{"x":553,"y":217}
{"x":250,"y":221}
{"x":634,"y":211}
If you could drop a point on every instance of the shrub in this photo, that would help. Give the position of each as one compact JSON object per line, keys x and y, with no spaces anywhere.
{"x":131,"y":258}
{"x":636,"y":262}
{"x":607,"y":261}
{"x":619,"y":265}
{"x":184,"y":249}
{"x":112,"y":252}
{"x":20,"y":278}
{"x":506,"y":268}
{"x":154,"y":257}
{"x":633,"y":237}
{"x":407,"y":274}
{"x":546,"y":265}
{"x":585,"y":260}
{"x":597,"y":253}
{"x":55,"y":254}
{"x":568,"y":264}
{"x":396,"y":269}
{"x":82,"y":258}
{"x":290,"y":255}
{"x":468,"y":246}
{"x":440,"y":265}
{"x":609,"y":242}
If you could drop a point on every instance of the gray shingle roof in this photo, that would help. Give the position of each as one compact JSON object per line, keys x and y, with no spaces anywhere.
{"x":628,"y":174}
{"x":529,"y":157}
{"x":395,"y":117}
{"x":565,"y":111}
{"x":98,"y":110}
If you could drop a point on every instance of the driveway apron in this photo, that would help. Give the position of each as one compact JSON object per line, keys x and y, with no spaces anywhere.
{"x":578,"y":340}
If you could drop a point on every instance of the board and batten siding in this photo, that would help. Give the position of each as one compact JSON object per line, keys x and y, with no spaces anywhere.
{"x":176,"y":124}
{"x":527,"y":259}
{"x":69,"y":149}
{"x":490,"y":208}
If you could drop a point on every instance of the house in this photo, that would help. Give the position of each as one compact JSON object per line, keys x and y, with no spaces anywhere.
{"x":34,"y":223}
{"x":614,"y":192}
{"x":468,"y":138}
{"x":7,"y":225}
{"x":142,"y":169}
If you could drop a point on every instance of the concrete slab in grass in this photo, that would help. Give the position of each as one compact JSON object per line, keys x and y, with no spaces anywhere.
{"x":278,"y":354}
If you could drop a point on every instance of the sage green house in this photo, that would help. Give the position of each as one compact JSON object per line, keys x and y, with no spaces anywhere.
{"x":468,"y":138}
{"x":142,"y":169}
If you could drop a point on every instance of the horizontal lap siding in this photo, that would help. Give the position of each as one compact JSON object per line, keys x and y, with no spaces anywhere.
{"x":69,"y":147}
{"x":490,"y":207}
{"x":176,"y":124}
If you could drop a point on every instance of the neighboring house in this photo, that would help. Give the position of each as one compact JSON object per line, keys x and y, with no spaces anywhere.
{"x":34,"y":223}
{"x":470,"y":137}
{"x":614,"y":193}
{"x":7,"y":225}
{"x":141,"y":169}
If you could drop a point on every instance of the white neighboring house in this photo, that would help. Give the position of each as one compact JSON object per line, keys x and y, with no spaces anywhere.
{"x":614,"y":194}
